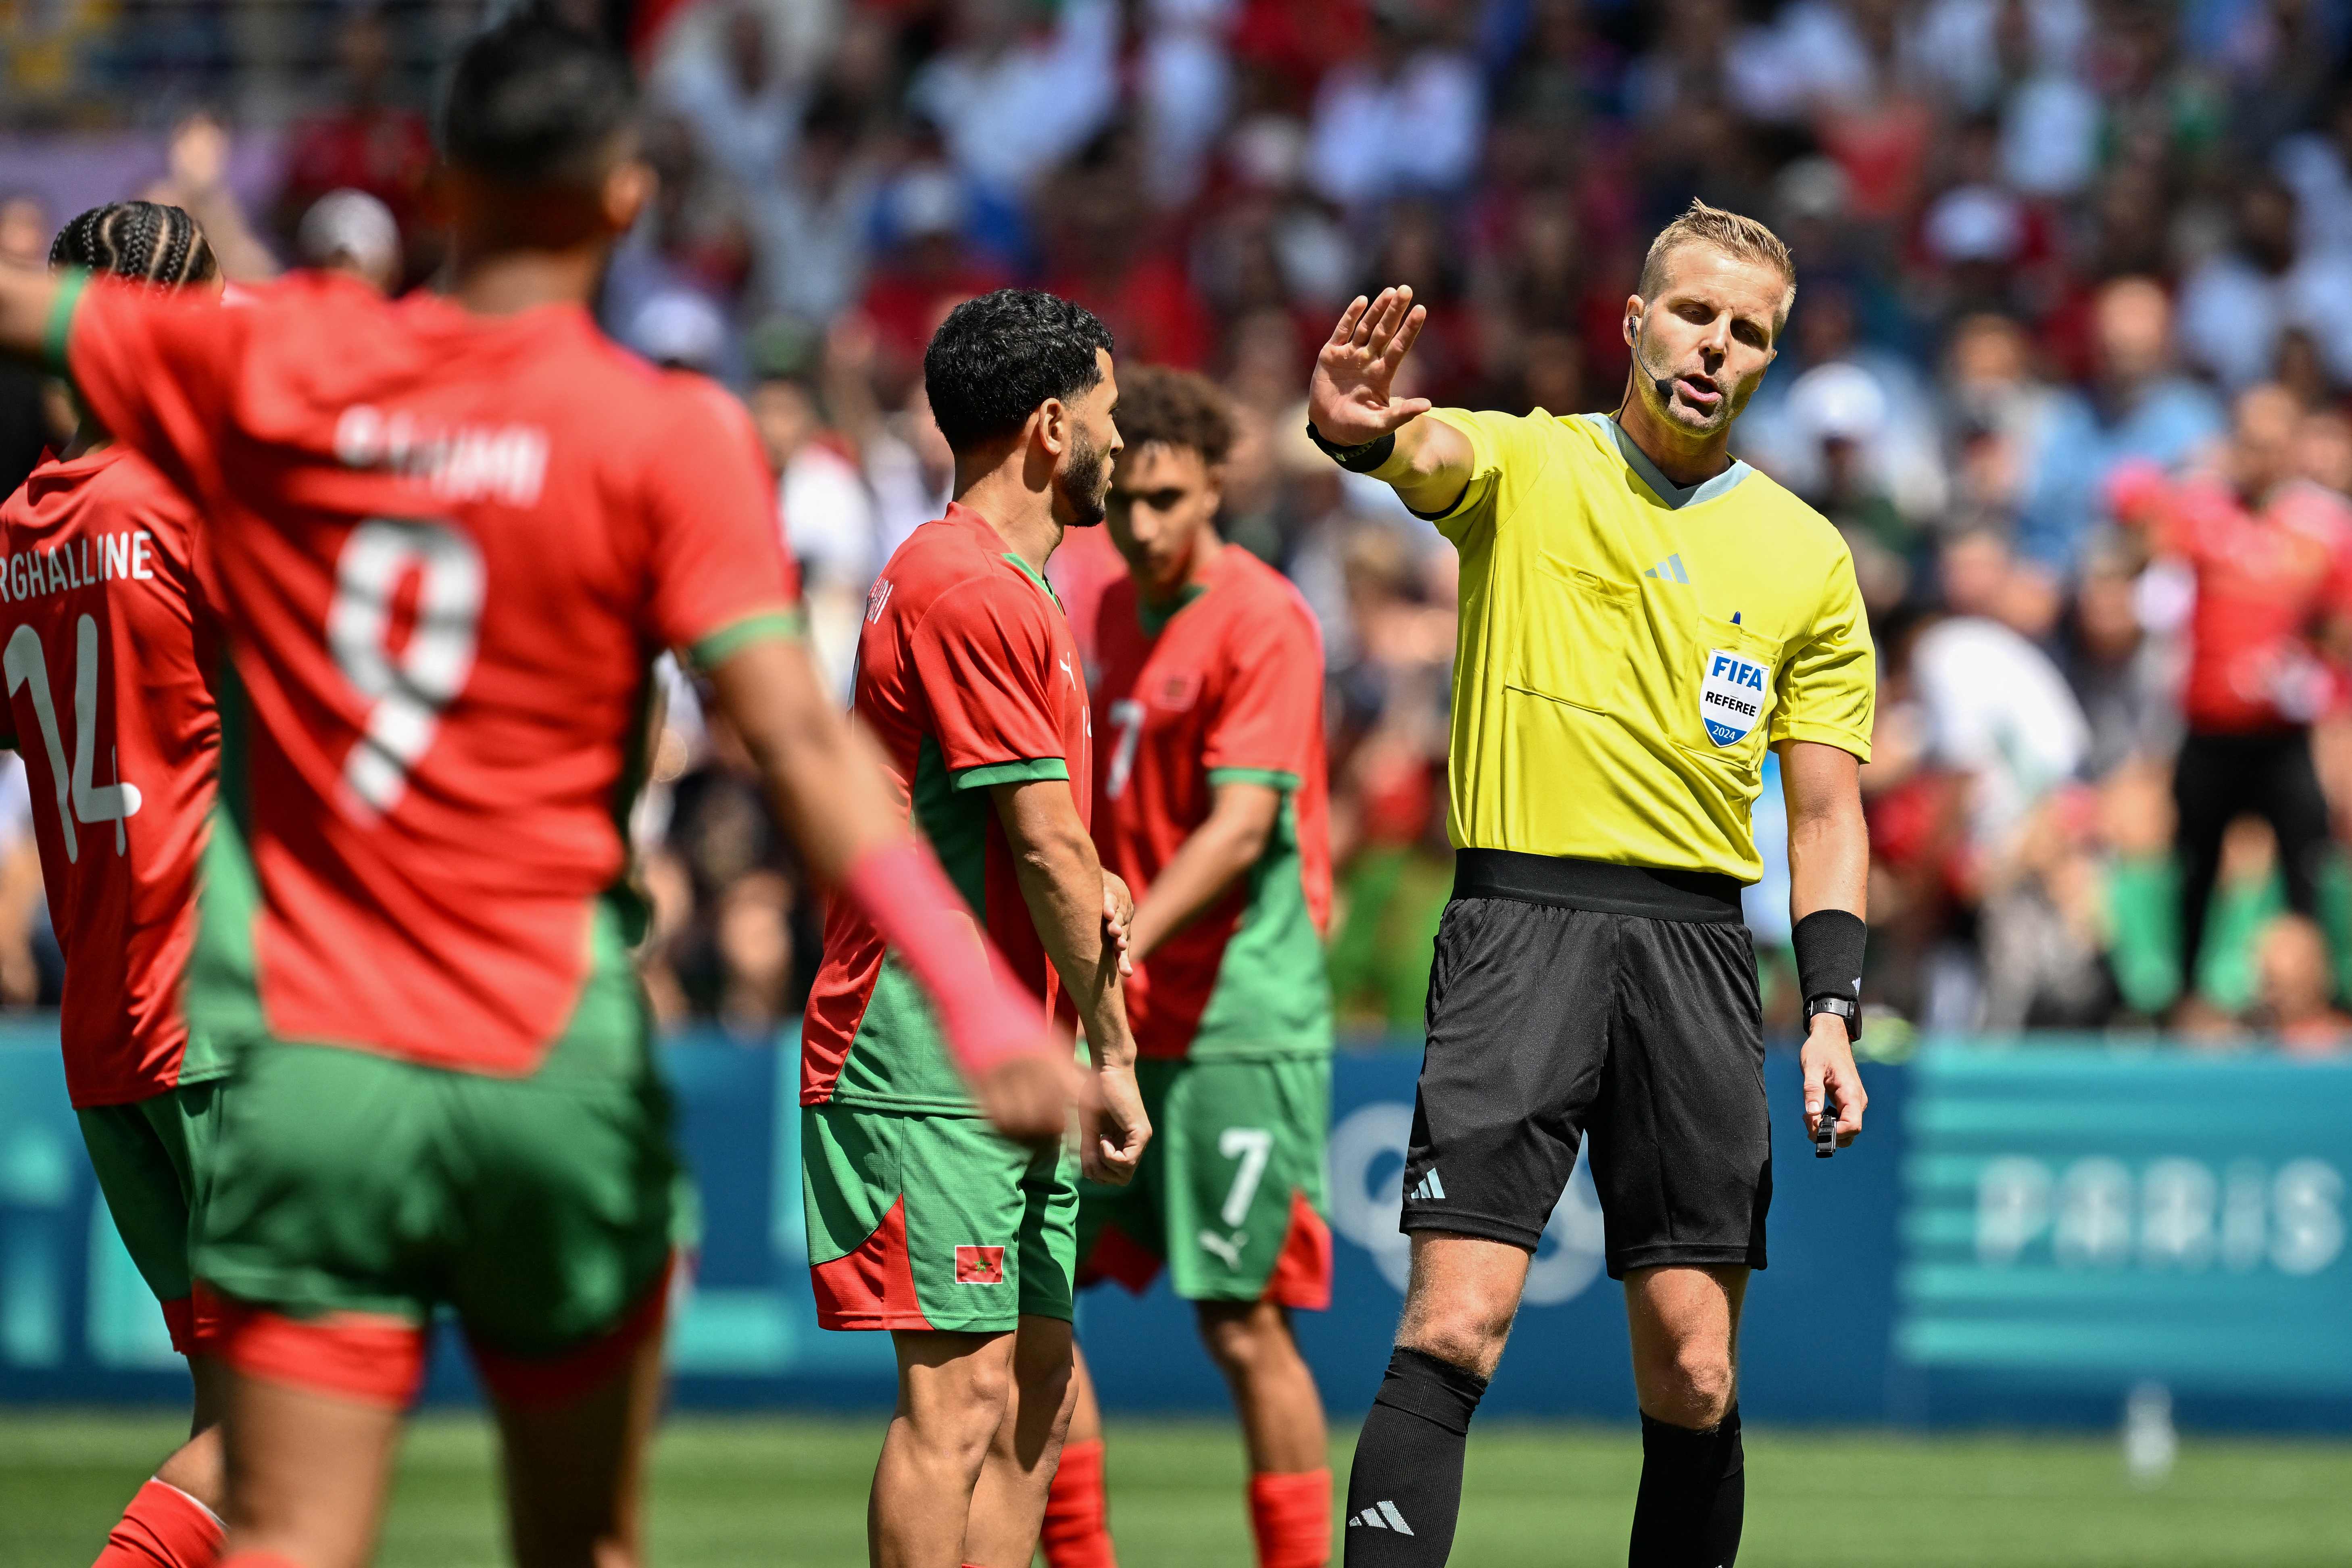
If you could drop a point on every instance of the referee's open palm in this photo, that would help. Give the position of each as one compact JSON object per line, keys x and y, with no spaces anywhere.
{"x":1348,"y":400}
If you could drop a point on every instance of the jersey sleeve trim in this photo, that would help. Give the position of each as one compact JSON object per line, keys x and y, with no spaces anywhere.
{"x":1272,"y":778}
{"x":709,"y":652}
{"x":1028,"y":771}
{"x":60,"y":330}
{"x":1825,"y":735}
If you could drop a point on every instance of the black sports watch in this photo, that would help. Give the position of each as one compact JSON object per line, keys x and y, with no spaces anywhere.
{"x":1844,"y":1007}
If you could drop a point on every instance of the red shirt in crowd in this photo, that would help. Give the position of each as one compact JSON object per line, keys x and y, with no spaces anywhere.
{"x":2268,"y":581}
{"x":387,"y":153}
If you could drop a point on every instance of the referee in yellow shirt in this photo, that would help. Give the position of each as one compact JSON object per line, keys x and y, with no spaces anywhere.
{"x":1642,"y":615}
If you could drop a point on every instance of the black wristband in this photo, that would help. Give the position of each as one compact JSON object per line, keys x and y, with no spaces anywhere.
{"x":1828,"y":944}
{"x":1358,"y":459}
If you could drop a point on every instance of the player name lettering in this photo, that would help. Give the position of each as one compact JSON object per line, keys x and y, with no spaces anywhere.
{"x":458,"y":462}
{"x":77,"y":563}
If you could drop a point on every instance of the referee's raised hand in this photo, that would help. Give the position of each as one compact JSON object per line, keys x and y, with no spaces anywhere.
{"x":1349,"y":399}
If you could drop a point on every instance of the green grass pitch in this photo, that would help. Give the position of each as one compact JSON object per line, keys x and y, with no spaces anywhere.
{"x":790,"y":1493}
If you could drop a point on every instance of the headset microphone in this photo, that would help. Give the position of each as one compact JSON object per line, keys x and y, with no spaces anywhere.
{"x":1663,"y":385}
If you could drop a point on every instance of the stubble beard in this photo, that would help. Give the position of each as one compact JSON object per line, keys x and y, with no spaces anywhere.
{"x":1083,"y":483}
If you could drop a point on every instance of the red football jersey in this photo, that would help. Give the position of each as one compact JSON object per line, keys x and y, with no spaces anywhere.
{"x":107,"y":653}
{"x":446,"y":549}
{"x":968,"y":676}
{"x":2265,"y":582}
{"x":1228,"y":688}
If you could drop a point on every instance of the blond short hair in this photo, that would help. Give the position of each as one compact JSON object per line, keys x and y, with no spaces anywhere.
{"x":1725,"y":231}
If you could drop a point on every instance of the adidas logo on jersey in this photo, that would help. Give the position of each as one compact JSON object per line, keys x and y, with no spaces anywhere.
{"x":1670,"y":569}
{"x":1380,"y":1516}
{"x":1428,"y":1189}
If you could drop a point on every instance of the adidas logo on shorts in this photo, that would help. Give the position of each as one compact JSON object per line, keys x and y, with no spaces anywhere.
{"x":1429,"y":1190}
{"x":1380,"y":1516}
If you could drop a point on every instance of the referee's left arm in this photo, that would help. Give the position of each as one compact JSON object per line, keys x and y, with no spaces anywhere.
{"x":1829,"y":871}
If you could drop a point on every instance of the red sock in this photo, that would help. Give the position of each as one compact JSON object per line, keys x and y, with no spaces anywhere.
{"x":162,"y":1528}
{"x":1078,"y":1513}
{"x":1291,"y":1517}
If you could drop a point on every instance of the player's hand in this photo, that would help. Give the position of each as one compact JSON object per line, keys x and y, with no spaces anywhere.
{"x":1349,"y":398}
{"x":1028,"y":1098}
{"x":1827,"y":1057}
{"x":1118,"y":918}
{"x":1114,"y":1131}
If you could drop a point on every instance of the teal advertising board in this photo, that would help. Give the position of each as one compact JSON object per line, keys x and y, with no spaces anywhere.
{"x":2022,"y":1236}
{"x":2091,"y":1215}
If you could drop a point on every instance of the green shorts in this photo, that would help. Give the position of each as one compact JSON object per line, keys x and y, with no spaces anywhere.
{"x":1229,"y":1194}
{"x":934,"y":1222}
{"x":155,"y":1162}
{"x":354,"y":1189}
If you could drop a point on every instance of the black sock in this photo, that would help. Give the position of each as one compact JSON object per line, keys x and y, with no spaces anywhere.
{"x":1404,"y":1489}
{"x":1693,"y":1493}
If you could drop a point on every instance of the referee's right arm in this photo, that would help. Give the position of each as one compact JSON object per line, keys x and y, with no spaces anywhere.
{"x":1350,"y":413}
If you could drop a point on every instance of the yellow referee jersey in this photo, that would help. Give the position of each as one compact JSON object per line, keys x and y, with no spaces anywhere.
{"x":1629,"y":647}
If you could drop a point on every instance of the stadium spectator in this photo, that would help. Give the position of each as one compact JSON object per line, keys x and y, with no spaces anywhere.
{"x":828,"y":511}
{"x":810,"y":218}
{"x":2272,"y":559}
{"x":369,"y":141}
{"x":29,"y":424}
{"x":1013,"y":100}
{"x":1403,"y":117}
{"x":2236,"y":307}
{"x":2137,"y":405}
{"x":2298,"y":987}
{"x":725,"y":81}
{"x":350,"y":231}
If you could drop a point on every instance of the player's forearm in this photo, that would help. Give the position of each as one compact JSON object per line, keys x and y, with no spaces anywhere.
{"x":1062,"y":885}
{"x":1204,"y":866}
{"x":1060,"y":879}
{"x":27,"y":299}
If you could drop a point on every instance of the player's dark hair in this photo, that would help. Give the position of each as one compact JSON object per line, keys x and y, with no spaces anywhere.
{"x":535,"y":102}
{"x":144,"y":241}
{"x":996,"y":358}
{"x":1175,"y":408}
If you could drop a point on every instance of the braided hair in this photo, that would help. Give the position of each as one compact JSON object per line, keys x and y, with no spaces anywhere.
{"x":147,"y":242}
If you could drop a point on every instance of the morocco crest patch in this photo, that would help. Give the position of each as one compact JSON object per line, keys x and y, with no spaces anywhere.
{"x":1733,"y":698}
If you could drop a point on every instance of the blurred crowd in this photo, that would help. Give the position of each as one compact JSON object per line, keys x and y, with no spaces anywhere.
{"x":2069,"y":368}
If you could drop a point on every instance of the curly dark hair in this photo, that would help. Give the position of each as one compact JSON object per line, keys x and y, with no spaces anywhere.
{"x":145,"y":241}
{"x":1175,"y":408}
{"x":996,"y":358}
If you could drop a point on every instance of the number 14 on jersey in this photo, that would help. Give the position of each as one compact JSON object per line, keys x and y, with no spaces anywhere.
{"x":26,"y":666}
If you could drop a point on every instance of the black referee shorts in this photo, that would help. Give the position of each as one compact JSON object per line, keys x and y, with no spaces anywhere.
{"x":1570,"y":999}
